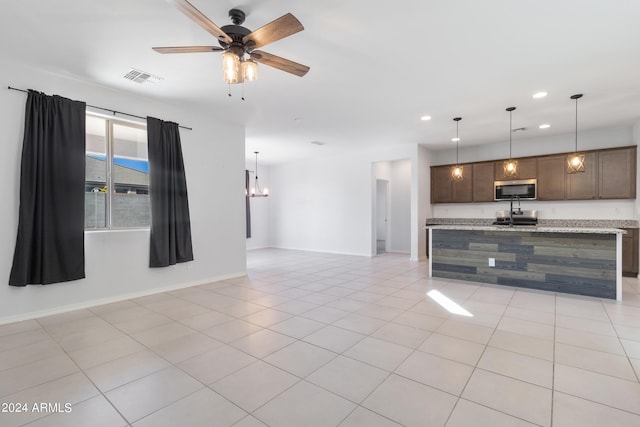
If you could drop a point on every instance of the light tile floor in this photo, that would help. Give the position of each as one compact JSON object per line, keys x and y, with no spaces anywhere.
{"x":312,"y":339}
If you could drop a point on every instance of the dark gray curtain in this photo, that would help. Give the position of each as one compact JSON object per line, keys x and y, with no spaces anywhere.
{"x":247,"y":181}
{"x":50,"y":241}
{"x":170,"y":223}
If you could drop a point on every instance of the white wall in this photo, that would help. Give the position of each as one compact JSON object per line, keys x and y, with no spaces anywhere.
{"x":400,"y":207}
{"x":588,"y":140}
{"x":380,"y":171}
{"x":398,"y":175}
{"x":575,"y":209}
{"x":421,"y":207}
{"x":260,"y":232}
{"x":636,"y":141}
{"x":326,"y":203}
{"x":116,"y":262}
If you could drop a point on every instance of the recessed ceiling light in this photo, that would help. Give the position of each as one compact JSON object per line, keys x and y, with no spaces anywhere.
{"x":539,"y":95}
{"x":425,"y":118}
{"x":544,"y":126}
{"x":455,"y":139}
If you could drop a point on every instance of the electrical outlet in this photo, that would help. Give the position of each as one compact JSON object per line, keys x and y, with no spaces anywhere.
{"x":492,"y":262}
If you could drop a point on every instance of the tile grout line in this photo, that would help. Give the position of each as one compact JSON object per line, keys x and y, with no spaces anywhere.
{"x":626,"y":353}
{"x":350,"y":312}
{"x":553,"y":363}
{"x":85,"y":374}
{"x":475,"y":367}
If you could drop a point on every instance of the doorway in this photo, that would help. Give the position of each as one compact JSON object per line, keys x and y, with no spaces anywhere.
{"x":382,"y":190}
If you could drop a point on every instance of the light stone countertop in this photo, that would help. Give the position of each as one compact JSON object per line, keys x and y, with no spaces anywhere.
{"x":554,"y":223}
{"x":528,"y":228}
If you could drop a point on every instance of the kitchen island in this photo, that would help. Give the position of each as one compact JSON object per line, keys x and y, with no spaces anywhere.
{"x":583,"y":261}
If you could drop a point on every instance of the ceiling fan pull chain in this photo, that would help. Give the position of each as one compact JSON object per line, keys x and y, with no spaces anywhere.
{"x":242,"y":97}
{"x":229,"y":91}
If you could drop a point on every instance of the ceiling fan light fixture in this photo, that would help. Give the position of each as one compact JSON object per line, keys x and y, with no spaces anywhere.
{"x":249,"y":70}
{"x":575,"y":160}
{"x":231,"y":67}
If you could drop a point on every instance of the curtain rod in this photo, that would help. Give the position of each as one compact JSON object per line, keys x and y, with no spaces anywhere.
{"x":102,"y":108}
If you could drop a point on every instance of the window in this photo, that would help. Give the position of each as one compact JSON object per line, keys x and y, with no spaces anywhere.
{"x":117,"y":175}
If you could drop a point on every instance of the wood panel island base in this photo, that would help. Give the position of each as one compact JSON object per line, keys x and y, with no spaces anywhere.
{"x":579,"y":261}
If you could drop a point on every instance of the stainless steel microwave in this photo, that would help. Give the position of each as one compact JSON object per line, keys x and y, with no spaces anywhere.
{"x":524,"y":189}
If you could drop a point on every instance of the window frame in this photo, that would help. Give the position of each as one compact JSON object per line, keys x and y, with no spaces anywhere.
{"x":109,"y":173}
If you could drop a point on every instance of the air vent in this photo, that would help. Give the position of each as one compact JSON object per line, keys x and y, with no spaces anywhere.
{"x":141,"y":76}
{"x":519,"y":130}
{"x":318,"y":142}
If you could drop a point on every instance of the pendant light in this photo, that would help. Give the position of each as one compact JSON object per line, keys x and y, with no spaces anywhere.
{"x":575,"y":160}
{"x":256,"y":191}
{"x":457,"y":170}
{"x":510,"y":166}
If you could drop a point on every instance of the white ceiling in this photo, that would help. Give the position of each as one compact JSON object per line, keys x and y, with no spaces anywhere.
{"x":376,"y":67}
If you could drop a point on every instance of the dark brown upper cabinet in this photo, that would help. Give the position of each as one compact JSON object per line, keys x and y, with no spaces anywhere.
{"x":527,"y":169}
{"x":483,"y":182}
{"x":617,"y":173}
{"x":609,"y":174}
{"x":552,"y":177}
{"x":441,"y":184}
{"x":463,"y":190}
{"x":583,"y":185}
{"x":445,"y":190}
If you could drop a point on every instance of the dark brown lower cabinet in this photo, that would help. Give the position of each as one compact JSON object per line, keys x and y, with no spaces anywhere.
{"x":630,"y":252}
{"x":428,"y":233}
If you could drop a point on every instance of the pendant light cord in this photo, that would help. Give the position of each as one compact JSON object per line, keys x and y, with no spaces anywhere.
{"x":457,"y":141}
{"x":256,"y":186}
{"x":576,"y":125}
{"x":510,"y":110}
{"x":510,"y":131}
{"x":576,"y":97}
{"x":457,"y":120}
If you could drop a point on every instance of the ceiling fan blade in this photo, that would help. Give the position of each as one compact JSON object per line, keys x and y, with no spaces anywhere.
{"x":187,"y":49}
{"x":282,"y":27}
{"x":199,"y":18}
{"x":279,"y":63}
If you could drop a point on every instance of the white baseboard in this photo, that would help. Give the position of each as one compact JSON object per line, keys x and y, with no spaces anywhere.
{"x":368,"y":255}
{"x":122,"y":297}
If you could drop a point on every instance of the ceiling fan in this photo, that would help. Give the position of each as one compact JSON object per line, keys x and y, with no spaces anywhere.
{"x":238,"y":44}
